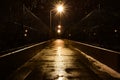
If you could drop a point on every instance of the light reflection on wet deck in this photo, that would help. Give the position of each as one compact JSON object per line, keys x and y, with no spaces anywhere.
{"x":56,"y":62}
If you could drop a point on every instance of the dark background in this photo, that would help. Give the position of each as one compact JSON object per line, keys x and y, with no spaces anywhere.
{"x":95,"y":22}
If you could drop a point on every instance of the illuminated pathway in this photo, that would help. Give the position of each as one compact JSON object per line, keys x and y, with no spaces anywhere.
{"x":58,"y":61}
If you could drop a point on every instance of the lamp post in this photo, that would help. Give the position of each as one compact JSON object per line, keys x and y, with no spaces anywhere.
{"x":50,"y":23}
{"x":59,"y":8}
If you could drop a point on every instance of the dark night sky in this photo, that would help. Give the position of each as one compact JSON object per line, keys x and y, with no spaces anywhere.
{"x":76,"y":9}
{"x":105,"y":18}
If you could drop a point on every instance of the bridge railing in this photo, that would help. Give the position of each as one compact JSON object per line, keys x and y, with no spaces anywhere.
{"x":12,"y":60}
{"x":107,"y":57}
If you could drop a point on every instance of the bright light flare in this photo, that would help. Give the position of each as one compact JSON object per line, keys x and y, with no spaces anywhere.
{"x":60,"y":8}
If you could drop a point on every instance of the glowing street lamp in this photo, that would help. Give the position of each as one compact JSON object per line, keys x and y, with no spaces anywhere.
{"x":59,"y":26}
{"x":58,"y":31}
{"x":60,"y":8}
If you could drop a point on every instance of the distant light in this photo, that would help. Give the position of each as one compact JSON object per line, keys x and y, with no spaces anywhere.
{"x":115,"y":30}
{"x":25,"y":35}
{"x":26,"y":30}
{"x":58,"y":31}
{"x":69,"y":35}
{"x":94,"y":34}
{"x":59,"y":26}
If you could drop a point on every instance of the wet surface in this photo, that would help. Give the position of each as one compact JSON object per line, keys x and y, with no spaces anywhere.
{"x":58,"y":61}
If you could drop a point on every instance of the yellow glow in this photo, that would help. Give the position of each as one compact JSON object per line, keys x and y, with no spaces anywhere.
{"x":59,"y":64}
{"x":61,"y":60}
{"x":61,"y":78}
{"x":60,"y":8}
{"x":59,"y":43}
{"x":59,"y":26}
{"x":59,"y":51}
{"x":59,"y":31}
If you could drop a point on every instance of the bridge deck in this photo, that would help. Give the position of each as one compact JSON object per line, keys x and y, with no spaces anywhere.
{"x":58,"y":61}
